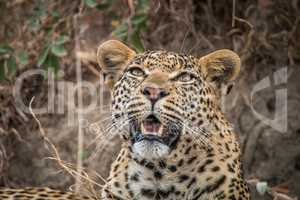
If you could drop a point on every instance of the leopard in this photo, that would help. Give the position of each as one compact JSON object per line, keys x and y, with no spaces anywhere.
{"x":40,"y":193}
{"x":176,"y":141}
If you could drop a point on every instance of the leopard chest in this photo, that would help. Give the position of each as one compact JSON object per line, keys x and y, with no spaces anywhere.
{"x":150,"y":181}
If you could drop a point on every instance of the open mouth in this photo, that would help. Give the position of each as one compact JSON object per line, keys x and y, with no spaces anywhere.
{"x":152,"y":125}
{"x":151,"y":129}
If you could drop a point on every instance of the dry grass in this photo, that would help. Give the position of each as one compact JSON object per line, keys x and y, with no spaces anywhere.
{"x":84,"y":178}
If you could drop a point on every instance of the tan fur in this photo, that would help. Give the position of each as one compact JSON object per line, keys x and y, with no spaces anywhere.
{"x":202,"y":163}
{"x":112,"y":56}
{"x":207,"y":168}
{"x":214,"y":64}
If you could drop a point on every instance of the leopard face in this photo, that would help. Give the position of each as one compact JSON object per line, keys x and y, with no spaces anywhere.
{"x":163,"y":95}
{"x":178,"y":144}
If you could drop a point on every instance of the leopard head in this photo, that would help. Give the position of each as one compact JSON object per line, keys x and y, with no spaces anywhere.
{"x":161,"y":94}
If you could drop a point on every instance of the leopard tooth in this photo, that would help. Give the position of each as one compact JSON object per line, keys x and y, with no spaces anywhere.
{"x":160,"y":131}
{"x":143,"y":128}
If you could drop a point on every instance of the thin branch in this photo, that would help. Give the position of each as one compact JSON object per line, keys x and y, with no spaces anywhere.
{"x":79,"y":112}
{"x":233,"y":13}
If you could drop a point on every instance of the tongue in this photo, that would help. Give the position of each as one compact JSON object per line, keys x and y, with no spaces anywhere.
{"x":151,"y":127}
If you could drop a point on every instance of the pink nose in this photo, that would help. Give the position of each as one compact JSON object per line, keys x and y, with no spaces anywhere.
{"x":154,"y":94}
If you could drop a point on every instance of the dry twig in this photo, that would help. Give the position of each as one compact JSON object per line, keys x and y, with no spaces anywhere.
{"x":68,"y":167}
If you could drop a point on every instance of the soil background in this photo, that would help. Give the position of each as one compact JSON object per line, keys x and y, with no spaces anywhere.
{"x":265,"y":33}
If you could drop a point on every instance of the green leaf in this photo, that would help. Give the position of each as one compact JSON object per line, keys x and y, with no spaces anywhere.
{"x":139,"y":19}
{"x":143,"y":5}
{"x":55,"y":13}
{"x":40,"y":10}
{"x":5,"y":48}
{"x":91,"y":3}
{"x":103,"y":6}
{"x":58,"y":50}
{"x":121,"y":31}
{"x":33,"y":23}
{"x":12,"y":65}
{"x":136,"y":42}
{"x":61,"y":40}
{"x":84,"y":154}
{"x":23,"y":58}
{"x":43,"y":55}
{"x":2,"y":70}
{"x":52,"y":62}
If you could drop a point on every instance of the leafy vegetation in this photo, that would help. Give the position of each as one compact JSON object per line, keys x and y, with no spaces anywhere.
{"x":8,"y":61}
{"x":49,"y":57}
{"x":136,"y":23}
{"x":127,"y":29}
{"x":51,"y":24}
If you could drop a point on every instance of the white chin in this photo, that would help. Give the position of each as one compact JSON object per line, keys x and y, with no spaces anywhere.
{"x":150,"y":149}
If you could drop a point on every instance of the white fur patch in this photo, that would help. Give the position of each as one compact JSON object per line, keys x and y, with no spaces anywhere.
{"x":150,"y":149}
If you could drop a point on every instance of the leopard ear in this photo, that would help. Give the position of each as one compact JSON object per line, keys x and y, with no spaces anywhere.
{"x":221,"y":66}
{"x":112,"y":57}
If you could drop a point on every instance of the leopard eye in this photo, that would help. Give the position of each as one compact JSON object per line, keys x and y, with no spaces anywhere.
{"x":136,"y":71}
{"x":185,"y":77}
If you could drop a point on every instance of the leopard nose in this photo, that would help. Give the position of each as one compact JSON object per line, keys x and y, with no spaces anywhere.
{"x":154,"y":93}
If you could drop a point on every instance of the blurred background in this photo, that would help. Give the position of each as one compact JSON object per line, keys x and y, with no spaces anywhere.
{"x":60,"y":39}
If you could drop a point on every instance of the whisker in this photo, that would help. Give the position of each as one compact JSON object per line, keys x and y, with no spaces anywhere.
{"x":195,"y":132}
{"x":109,"y":130}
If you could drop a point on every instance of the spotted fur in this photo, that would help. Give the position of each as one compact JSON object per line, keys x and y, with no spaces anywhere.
{"x":205,"y":162}
{"x":39,"y":194}
{"x":196,"y":156}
